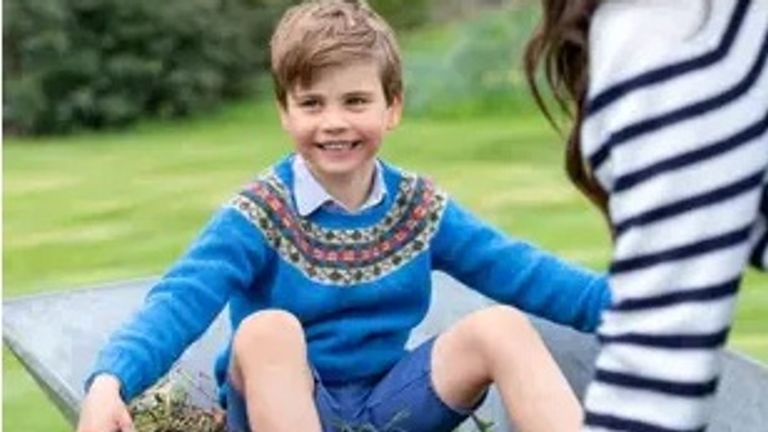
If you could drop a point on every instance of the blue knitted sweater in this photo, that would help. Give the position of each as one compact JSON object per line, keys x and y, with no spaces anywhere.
{"x":357,"y":282}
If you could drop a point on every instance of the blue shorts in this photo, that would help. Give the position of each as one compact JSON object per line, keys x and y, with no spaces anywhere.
{"x":403,"y":400}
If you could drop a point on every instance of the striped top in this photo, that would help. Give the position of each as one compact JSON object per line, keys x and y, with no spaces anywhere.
{"x":676,"y":131}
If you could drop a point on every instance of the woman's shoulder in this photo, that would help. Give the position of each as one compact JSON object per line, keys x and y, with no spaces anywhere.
{"x":650,"y":21}
{"x":631,"y":36}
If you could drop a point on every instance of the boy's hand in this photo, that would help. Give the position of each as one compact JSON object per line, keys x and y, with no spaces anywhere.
{"x":103,"y":409}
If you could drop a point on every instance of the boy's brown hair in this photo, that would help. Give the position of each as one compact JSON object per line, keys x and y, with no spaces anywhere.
{"x":320,"y":33}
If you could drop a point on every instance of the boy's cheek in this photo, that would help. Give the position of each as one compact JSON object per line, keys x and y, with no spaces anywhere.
{"x":284,"y":120}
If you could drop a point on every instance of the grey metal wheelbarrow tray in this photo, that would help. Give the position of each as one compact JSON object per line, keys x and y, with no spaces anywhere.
{"x":56,"y":337}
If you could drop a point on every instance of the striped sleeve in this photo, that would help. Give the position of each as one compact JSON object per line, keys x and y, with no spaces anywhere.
{"x":679,"y":141}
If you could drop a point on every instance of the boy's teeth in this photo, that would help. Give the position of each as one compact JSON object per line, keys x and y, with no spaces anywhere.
{"x":337,"y":145}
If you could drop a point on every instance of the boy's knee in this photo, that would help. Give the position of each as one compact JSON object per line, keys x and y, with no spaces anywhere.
{"x":264,"y":328}
{"x":502,"y":317}
{"x":264,"y":338}
{"x":499,"y":323}
{"x":484,"y":337}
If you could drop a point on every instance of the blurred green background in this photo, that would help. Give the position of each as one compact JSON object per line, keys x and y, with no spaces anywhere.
{"x":101,"y":203}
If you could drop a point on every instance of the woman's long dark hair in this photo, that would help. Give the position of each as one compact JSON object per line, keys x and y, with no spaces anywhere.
{"x":559,"y":49}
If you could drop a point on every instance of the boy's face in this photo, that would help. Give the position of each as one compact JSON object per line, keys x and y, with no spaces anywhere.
{"x":337,"y":123}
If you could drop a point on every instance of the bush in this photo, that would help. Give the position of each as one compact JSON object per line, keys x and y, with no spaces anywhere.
{"x":74,"y":64}
{"x":478,"y":71}
{"x":70,"y":64}
{"x":404,"y":14}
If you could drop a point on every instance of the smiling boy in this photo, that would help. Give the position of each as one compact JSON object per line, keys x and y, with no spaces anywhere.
{"x":325,"y":262}
{"x":337,"y":124}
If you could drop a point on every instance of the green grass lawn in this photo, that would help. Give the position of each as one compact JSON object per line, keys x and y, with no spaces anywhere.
{"x":93,"y":208}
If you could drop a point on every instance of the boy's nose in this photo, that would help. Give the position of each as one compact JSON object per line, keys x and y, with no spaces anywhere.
{"x":333,"y":121}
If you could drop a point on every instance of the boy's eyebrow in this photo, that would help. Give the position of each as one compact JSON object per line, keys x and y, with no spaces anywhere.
{"x":359,"y":93}
{"x":300,"y":94}
{"x":303,"y":94}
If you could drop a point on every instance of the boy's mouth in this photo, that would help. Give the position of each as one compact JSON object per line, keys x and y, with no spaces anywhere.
{"x":339,"y":145}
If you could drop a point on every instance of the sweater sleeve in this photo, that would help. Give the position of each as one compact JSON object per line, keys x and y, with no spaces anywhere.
{"x":516,"y":273}
{"x":679,"y":142}
{"x":226,"y":256}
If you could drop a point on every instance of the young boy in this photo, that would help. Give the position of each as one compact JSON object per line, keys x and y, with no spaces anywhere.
{"x":325,"y":262}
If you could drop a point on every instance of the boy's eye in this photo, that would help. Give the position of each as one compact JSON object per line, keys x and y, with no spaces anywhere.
{"x":357,"y":101}
{"x":309,"y":103}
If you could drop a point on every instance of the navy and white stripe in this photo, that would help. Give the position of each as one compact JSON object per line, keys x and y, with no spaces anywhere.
{"x":676,"y":131}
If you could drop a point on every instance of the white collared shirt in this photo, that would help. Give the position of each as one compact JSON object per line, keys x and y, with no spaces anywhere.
{"x":311,"y":195}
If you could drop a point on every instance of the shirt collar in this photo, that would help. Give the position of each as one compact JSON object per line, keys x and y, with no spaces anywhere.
{"x":311,"y":195}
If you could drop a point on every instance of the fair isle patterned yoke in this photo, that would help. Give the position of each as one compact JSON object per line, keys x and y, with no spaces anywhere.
{"x":344,"y":256}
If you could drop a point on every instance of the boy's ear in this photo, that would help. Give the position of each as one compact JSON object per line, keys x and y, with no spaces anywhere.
{"x":395,"y":111}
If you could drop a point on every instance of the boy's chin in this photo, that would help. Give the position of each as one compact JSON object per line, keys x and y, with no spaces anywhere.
{"x":342,"y":168}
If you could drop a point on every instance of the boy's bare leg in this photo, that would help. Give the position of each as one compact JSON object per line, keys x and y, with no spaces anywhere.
{"x":500,"y":345}
{"x":269,"y":368}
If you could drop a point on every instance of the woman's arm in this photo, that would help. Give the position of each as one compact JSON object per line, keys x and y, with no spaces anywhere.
{"x":676,"y":133}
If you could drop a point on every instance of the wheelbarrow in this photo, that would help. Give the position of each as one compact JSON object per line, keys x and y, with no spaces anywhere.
{"x":56,"y":337}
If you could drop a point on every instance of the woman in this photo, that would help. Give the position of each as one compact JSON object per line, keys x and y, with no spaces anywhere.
{"x":669,"y":139}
